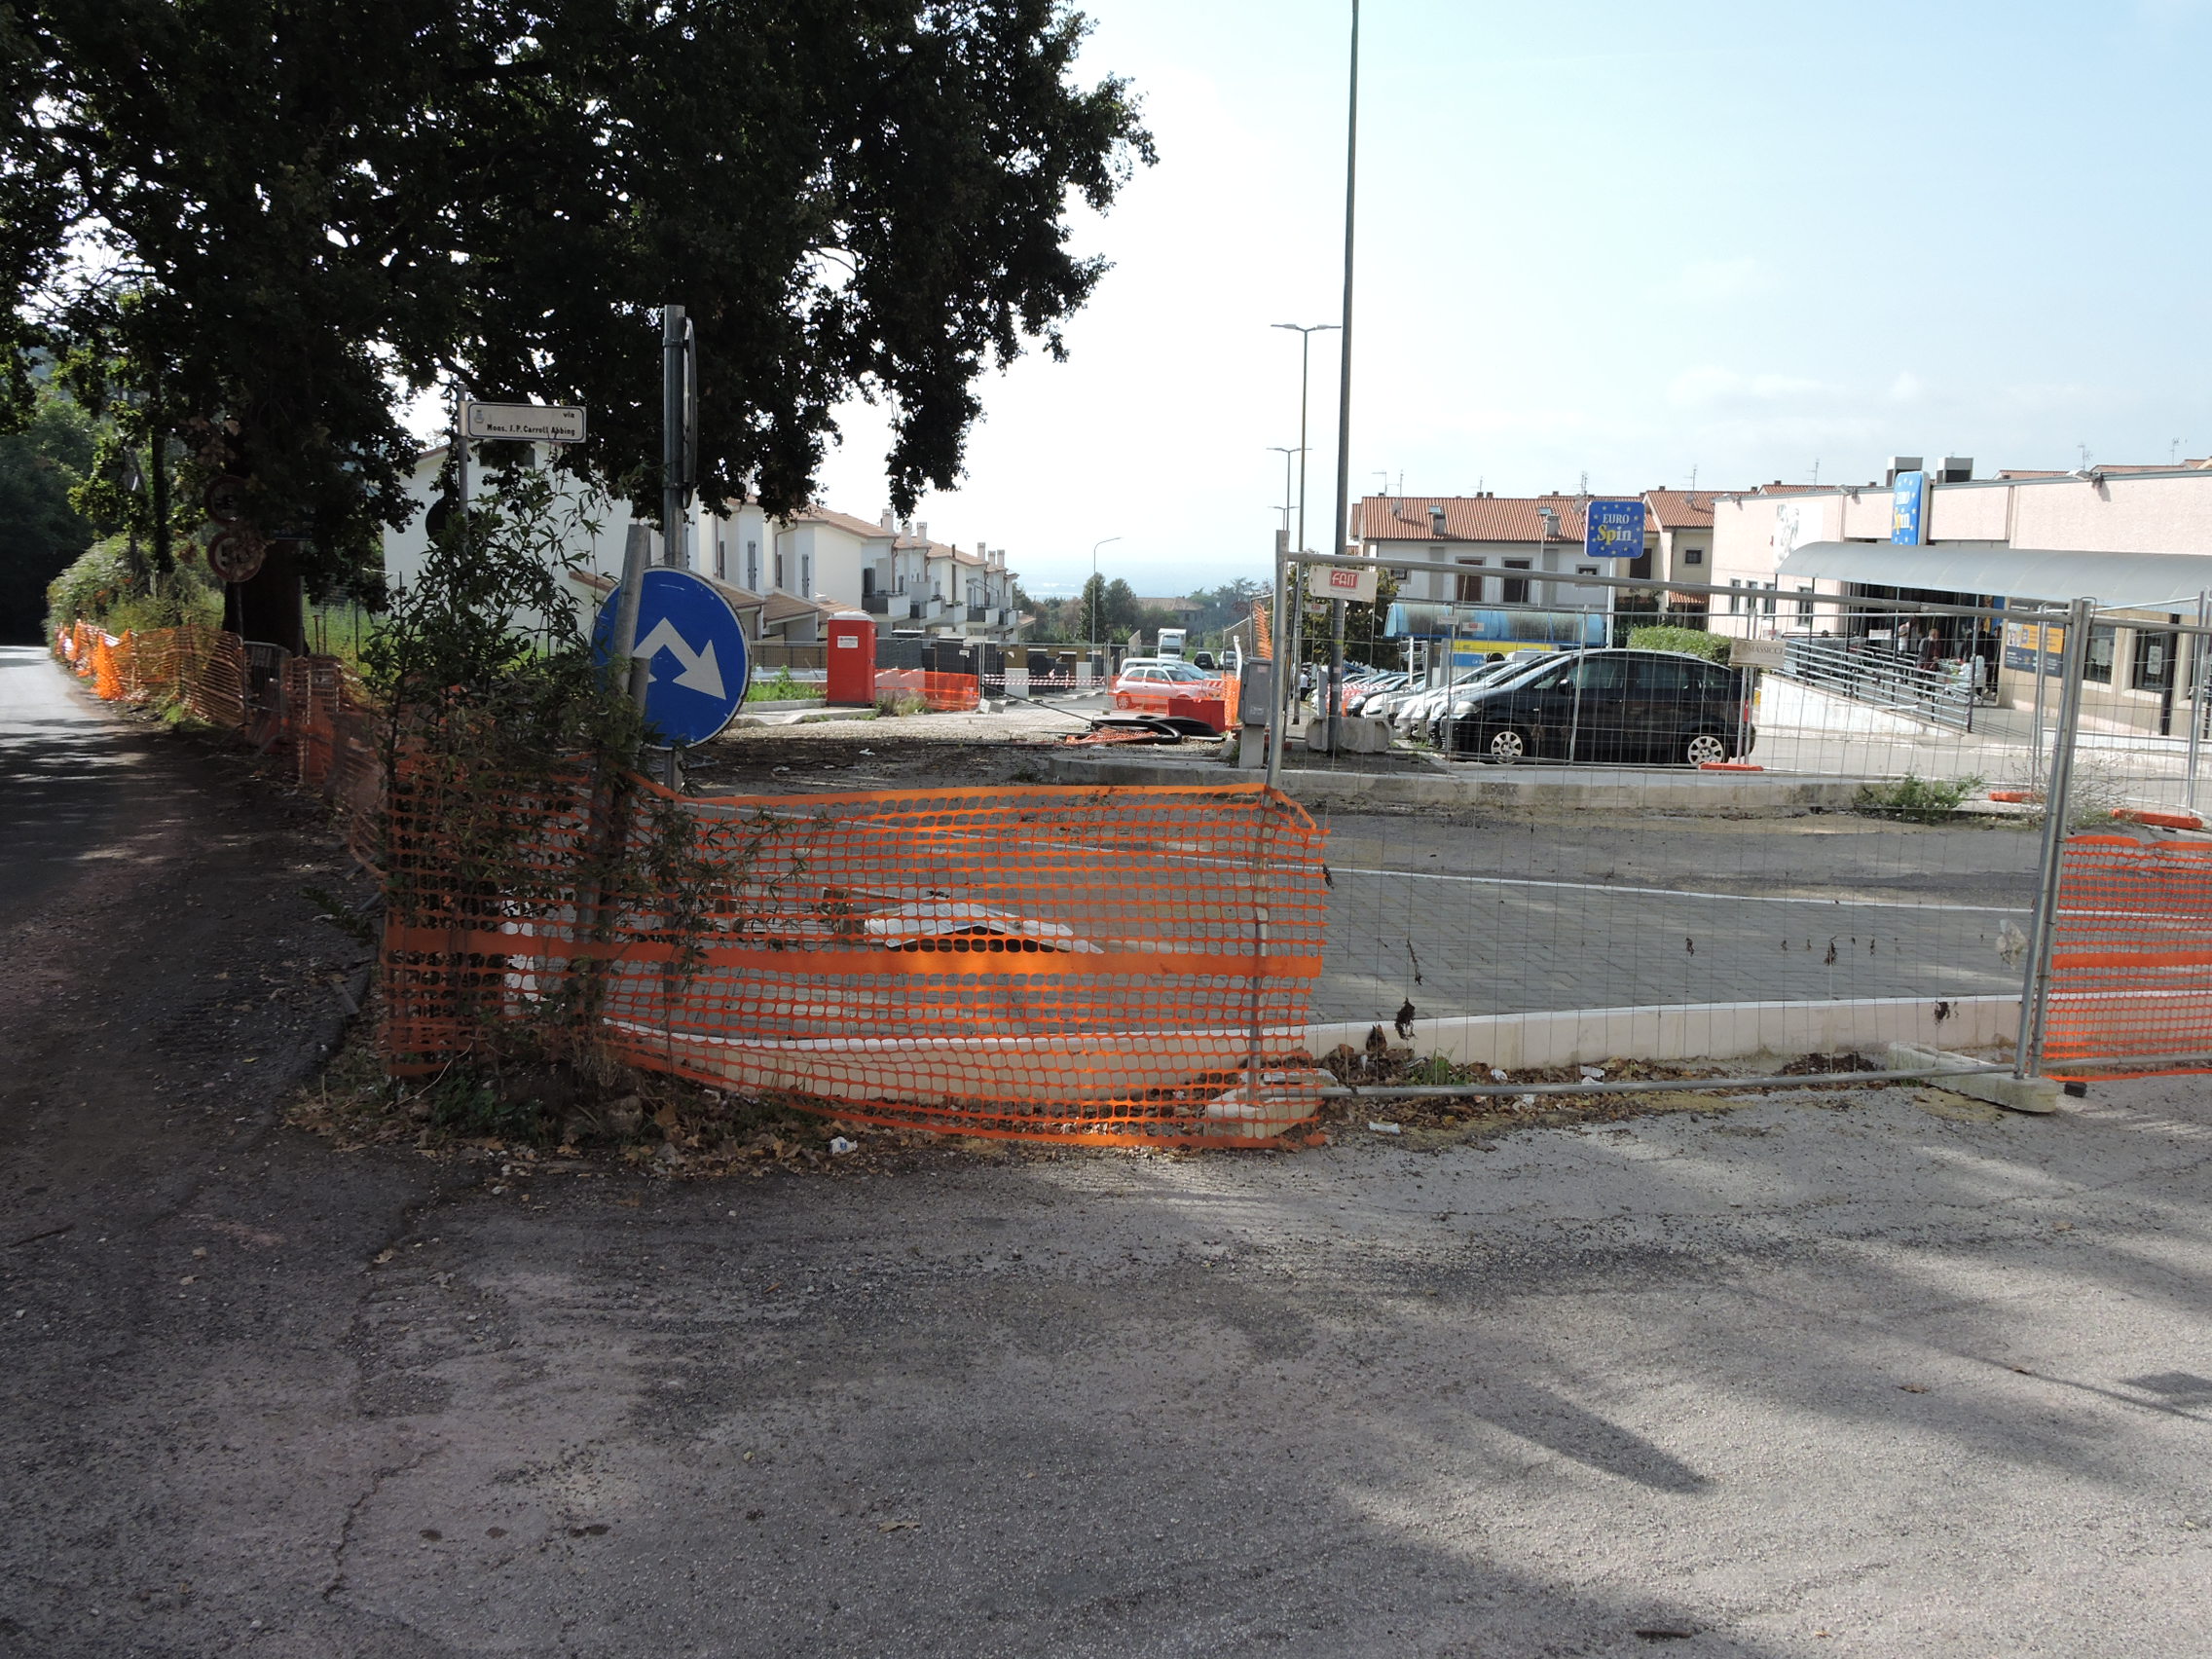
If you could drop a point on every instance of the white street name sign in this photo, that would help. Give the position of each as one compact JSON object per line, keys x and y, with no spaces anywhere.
{"x":525,"y":422}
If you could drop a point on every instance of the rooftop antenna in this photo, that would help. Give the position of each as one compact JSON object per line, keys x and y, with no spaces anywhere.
{"x":1815,"y":469}
{"x":1584,"y":489}
{"x":2084,"y":448}
{"x":1693,"y":474}
{"x":2173,"y":453}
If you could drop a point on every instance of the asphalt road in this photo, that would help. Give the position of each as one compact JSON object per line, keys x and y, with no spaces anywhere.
{"x":1815,"y":1375}
{"x":1516,"y":912}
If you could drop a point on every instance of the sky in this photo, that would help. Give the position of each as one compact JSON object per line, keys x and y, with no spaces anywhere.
{"x":1734,"y":240}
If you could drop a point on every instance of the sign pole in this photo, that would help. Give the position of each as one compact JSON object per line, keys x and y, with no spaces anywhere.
{"x":461,"y":453}
{"x":674,"y":486}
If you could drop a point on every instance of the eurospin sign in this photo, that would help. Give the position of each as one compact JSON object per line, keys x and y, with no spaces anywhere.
{"x":1908,"y":508}
{"x":1613,"y":529}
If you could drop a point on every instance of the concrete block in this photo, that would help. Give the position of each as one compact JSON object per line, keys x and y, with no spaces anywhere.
{"x":1355,"y":735}
{"x":1998,"y":1088}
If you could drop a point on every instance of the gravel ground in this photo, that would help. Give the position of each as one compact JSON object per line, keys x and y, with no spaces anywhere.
{"x":1847,"y":1373}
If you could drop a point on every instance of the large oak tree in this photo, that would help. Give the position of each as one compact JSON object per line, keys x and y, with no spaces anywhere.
{"x":270,"y":222}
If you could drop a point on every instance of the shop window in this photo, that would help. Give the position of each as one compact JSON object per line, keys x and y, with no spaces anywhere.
{"x":2155,"y":661}
{"x":2096,"y":668}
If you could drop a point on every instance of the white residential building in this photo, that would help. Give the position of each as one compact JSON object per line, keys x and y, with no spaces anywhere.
{"x":785,"y":576}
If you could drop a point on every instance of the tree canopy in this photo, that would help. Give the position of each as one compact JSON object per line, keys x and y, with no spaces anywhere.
{"x":271,"y":223}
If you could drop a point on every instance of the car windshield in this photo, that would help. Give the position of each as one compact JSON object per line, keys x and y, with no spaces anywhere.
{"x":1186,"y":671}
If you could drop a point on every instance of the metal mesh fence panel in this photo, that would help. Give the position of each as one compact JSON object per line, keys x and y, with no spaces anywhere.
{"x":1789,"y":825}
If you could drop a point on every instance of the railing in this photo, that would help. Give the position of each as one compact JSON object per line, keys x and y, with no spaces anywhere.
{"x":1883,"y":678}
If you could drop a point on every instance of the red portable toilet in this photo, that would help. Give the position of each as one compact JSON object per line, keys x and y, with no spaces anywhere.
{"x":852,"y":659}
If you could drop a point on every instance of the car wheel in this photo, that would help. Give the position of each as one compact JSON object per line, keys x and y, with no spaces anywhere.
{"x":1508,"y":747}
{"x":1704,"y":750}
{"x":1122,"y":700}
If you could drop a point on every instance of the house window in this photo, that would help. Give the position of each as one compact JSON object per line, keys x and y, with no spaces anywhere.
{"x":806,"y":575}
{"x":721,"y":560}
{"x":779,"y":567}
{"x":2155,"y":661}
{"x":1770,"y":592}
{"x":1693,"y":555}
{"x":752,"y":565}
{"x":2096,"y":668}
{"x":1515,"y":588}
{"x":1805,"y":606}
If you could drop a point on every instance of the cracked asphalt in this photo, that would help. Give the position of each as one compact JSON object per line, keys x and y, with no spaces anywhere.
{"x":1816,"y":1374}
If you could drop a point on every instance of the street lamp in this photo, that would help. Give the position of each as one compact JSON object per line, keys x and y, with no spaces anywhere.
{"x":1094,"y":595}
{"x":1305,"y":333}
{"x":1289,"y":580}
{"x":1286,"y":452}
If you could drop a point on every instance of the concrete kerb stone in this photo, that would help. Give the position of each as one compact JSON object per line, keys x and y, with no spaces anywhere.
{"x":1734,"y":792}
{"x":1703,"y":1031}
{"x":2013,"y":1094}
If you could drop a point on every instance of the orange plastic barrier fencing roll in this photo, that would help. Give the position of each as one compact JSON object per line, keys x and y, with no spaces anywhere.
{"x":2131,"y":955}
{"x":314,"y":715}
{"x":1110,"y":966}
{"x":942,"y":692}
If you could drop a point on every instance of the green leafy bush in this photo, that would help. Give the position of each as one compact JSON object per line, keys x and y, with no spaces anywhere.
{"x":782,"y":688}
{"x":1696,"y":641}
{"x":1914,"y":799}
{"x":901,"y":703}
{"x":102,"y":586}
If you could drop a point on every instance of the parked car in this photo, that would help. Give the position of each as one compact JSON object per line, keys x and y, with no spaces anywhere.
{"x":1357,"y":692}
{"x":1512,"y":666}
{"x":1147,"y":686}
{"x":1418,"y":711}
{"x":1623,"y":705}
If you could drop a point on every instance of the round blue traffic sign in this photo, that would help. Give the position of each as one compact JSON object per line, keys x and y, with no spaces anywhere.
{"x":692,"y":638}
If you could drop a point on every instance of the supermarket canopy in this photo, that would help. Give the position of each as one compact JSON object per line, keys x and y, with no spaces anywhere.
{"x":2117,"y":582}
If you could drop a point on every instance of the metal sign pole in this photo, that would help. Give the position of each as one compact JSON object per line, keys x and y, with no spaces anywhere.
{"x":460,"y":453}
{"x":2035,"y":988}
{"x":673,"y":482}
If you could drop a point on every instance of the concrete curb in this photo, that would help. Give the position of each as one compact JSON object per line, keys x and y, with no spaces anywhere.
{"x":2013,"y":1094}
{"x":1486,"y":786}
{"x":1701,"y":1031}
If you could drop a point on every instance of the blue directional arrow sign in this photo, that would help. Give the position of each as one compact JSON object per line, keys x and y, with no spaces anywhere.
{"x":690,"y":635}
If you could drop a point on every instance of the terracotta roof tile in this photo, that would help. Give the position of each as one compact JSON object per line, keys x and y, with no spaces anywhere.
{"x":1469,"y":518}
{"x":842,"y":521}
{"x":1681,"y":509}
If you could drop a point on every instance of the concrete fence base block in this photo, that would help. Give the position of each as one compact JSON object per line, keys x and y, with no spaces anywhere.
{"x":1998,"y":1088}
{"x":1692,"y":1031}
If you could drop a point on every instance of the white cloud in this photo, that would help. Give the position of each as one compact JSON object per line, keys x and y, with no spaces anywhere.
{"x":1908,"y":387}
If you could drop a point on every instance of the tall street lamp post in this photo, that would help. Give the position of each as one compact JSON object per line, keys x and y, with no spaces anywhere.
{"x":1289,"y":579}
{"x":1344,"y":386}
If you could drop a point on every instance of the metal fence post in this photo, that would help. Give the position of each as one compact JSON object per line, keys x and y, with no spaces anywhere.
{"x":2035,"y":984}
{"x":2199,"y":659}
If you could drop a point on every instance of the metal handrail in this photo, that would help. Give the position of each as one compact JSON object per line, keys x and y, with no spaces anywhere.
{"x":1883,"y":678}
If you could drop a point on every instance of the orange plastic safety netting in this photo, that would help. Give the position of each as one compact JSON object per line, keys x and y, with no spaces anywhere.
{"x":1125,"y":965}
{"x":2131,"y":957}
{"x":942,"y":692}
{"x":309,"y":712}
